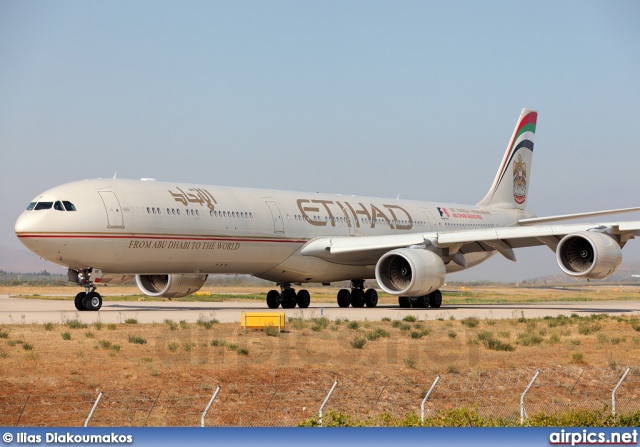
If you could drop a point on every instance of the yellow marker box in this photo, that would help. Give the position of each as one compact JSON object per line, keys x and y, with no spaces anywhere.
{"x":260,"y":320}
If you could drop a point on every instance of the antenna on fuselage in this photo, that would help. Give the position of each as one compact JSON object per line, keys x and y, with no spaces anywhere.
{"x":115,"y":175}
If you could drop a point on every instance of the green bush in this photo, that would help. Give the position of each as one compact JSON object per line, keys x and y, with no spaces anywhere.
{"x":130,"y":321}
{"x":206,"y":323}
{"x":358,"y":342}
{"x":410,"y":318}
{"x":320,"y":323}
{"x":376,"y":334}
{"x":586,"y":328}
{"x":75,"y":324}
{"x":529,"y":339}
{"x":137,"y":340}
{"x":172,"y":324}
{"x":66,"y":335}
{"x":470,"y":322}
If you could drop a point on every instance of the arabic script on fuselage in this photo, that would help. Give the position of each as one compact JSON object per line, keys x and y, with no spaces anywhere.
{"x":196,"y":195}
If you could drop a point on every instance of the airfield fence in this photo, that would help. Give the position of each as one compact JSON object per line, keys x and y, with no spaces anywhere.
{"x":493,"y":393}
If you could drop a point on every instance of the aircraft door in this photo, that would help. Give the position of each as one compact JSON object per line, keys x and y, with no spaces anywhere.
{"x":113,"y":209}
{"x":278,"y":223}
{"x":351,"y":221}
{"x":431,"y":221}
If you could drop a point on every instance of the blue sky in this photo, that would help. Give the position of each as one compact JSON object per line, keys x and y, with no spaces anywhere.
{"x":414,"y":98}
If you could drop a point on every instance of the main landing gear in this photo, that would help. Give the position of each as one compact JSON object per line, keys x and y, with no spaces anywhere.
{"x":357,"y":297}
{"x":89,"y":299}
{"x":288,"y":298}
{"x":434,"y":299}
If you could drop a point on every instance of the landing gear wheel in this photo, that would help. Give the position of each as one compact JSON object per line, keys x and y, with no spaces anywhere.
{"x":288,"y":299}
{"x":272,"y":299}
{"x":404,"y":301}
{"x":422,"y":301}
{"x":344,"y":298}
{"x":92,"y":301}
{"x":303,"y":299}
{"x":357,"y":298}
{"x":435,"y":299}
{"x":371,"y":298}
{"x":78,"y":300}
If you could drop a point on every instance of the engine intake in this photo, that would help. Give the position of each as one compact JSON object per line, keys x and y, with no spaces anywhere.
{"x":170,"y":286}
{"x":588,"y":254}
{"x":410,"y":272}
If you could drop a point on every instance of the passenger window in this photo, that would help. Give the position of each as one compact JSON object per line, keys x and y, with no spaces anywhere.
{"x":58,"y":206}
{"x":43,"y":206}
{"x":68,"y":205}
{"x":31,"y":206}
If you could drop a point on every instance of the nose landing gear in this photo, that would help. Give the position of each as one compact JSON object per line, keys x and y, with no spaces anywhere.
{"x":89,"y":299}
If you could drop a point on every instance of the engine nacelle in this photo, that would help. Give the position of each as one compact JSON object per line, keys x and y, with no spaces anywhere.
{"x":410,"y":272}
{"x":170,"y":286}
{"x":589,"y":255}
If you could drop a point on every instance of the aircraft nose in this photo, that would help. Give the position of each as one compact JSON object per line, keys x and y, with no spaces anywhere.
{"x":28,"y":222}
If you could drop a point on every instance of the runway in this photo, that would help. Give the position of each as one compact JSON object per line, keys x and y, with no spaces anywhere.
{"x":28,"y":311}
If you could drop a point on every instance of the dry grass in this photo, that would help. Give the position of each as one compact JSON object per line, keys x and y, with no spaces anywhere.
{"x":192,"y":355}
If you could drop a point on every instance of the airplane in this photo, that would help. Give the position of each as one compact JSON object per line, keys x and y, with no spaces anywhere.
{"x":171,"y":236}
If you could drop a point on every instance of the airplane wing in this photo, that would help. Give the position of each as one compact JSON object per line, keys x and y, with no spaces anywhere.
{"x":367,"y":250}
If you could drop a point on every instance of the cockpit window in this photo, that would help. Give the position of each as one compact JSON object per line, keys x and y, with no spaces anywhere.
{"x":43,"y":206}
{"x":31,"y":206}
{"x":58,"y":206}
{"x":69,"y":206}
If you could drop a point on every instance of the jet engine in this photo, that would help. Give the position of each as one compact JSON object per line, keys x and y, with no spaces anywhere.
{"x":410,"y":272}
{"x":170,"y":286}
{"x":588,"y":254}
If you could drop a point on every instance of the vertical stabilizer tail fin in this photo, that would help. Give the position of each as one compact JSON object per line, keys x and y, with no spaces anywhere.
{"x":511,"y":185}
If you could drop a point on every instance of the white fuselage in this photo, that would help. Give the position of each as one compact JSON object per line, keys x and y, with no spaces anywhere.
{"x":148,"y":227}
